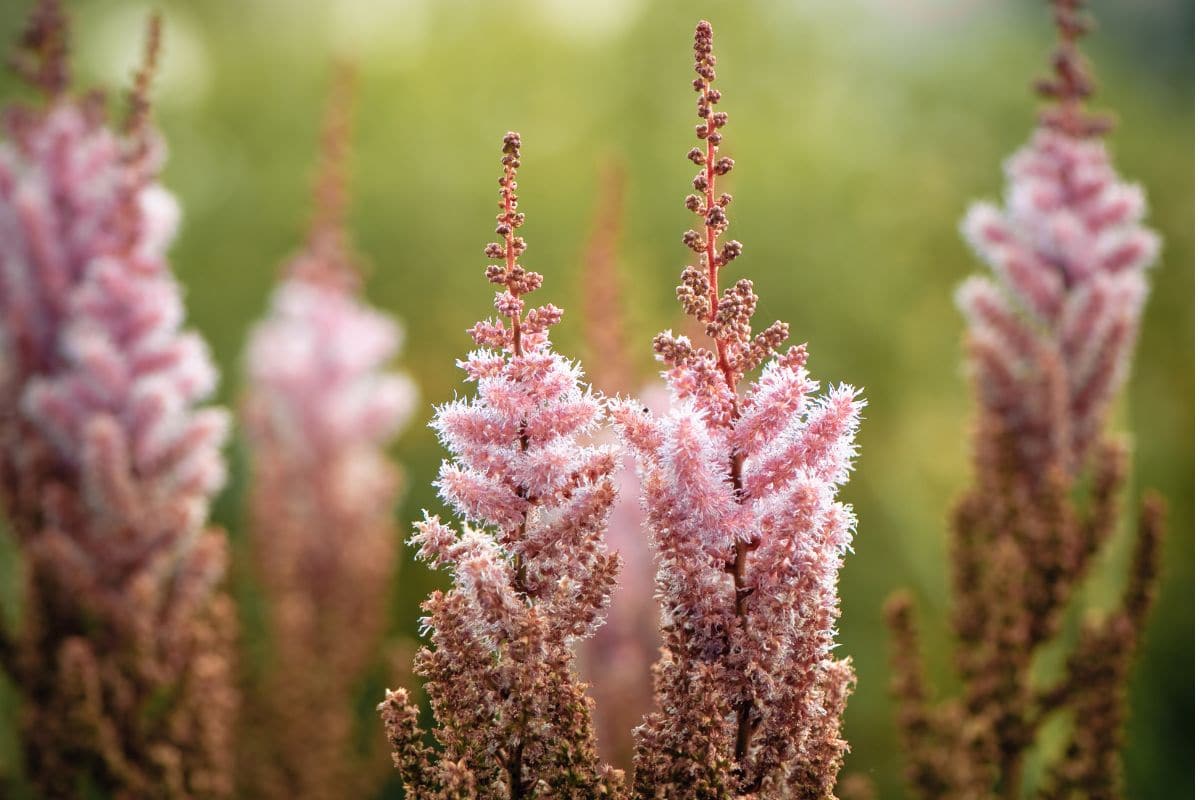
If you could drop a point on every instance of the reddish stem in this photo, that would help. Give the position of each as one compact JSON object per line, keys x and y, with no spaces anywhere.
{"x":510,"y":251}
{"x":738,"y":565}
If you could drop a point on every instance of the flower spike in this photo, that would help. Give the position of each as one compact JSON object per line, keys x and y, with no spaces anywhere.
{"x":740,"y":486}
{"x":530,"y":571}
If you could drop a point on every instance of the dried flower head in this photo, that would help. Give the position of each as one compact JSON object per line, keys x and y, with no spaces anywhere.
{"x":319,"y":413}
{"x":1049,"y":343}
{"x":741,"y":491}
{"x":107,"y":462}
{"x":530,"y":572}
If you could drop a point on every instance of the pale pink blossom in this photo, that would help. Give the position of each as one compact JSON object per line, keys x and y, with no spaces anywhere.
{"x":322,"y":406}
{"x":530,"y":573}
{"x":109,"y":460}
{"x":1053,"y":331}
{"x":740,"y":486}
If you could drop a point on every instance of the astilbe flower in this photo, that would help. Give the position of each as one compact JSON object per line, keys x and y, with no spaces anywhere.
{"x":530,"y":572}
{"x":1049,"y":343}
{"x":616,"y":661}
{"x":319,"y":413}
{"x":122,"y":655}
{"x":741,"y":492}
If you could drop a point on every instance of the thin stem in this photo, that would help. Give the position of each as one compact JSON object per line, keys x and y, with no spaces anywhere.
{"x":510,"y":257}
{"x":737,"y":568}
{"x":1010,"y":775}
{"x":516,"y":784}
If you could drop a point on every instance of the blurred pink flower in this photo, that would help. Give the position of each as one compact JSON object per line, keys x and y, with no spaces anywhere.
{"x":1069,"y":254}
{"x":109,"y":463}
{"x":320,"y":410}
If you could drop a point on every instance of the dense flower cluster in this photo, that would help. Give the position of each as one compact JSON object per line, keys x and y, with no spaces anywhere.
{"x":741,"y":493}
{"x":1051,"y":337}
{"x":318,"y":415}
{"x":109,"y":466}
{"x":530,"y":571}
{"x":1049,"y":345}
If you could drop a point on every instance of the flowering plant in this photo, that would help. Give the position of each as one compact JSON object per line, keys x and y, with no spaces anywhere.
{"x":531,"y":574}
{"x":740,"y":487}
{"x":319,"y":413}
{"x":1049,"y":343}
{"x":106,"y":462}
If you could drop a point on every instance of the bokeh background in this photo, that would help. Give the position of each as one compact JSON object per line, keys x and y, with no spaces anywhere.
{"x":862,"y":128}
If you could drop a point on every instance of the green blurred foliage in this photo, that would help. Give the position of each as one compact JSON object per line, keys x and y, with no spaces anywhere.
{"x":861,"y":130}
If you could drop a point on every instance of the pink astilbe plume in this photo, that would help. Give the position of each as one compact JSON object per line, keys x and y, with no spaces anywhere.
{"x":108,"y":466}
{"x":741,"y":486}
{"x":1049,"y":342}
{"x":319,"y":412}
{"x":530,"y":572}
{"x":1051,"y":335}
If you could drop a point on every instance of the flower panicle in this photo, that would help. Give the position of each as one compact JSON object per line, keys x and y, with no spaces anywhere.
{"x":328,"y":257}
{"x":320,"y":411}
{"x":525,"y":330}
{"x":1052,"y":331}
{"x":111,"y":454}
{"x":530,"y":571}
{"x":41,"y":58}
{"x":724,"y":314}
{"x":138,"y":113}
{"x":1050,"y":334}
{"x":740,"y":487}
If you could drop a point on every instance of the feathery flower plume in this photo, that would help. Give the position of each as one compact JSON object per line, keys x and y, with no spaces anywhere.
{"x":107,"y":465}
{"x":617,"y":661}
{"x":319,"y":413}
{"x":530,"y":571}
{"x":1049,"y":342}
{"x":741,"y":491}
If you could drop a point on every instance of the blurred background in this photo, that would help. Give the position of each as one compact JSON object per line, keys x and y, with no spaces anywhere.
{"x":861,"y":128}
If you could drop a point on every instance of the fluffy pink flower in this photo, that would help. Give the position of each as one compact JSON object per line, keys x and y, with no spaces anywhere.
{"x":320,"y":410}
{"x":532,"y":576}
{"x":109,"y":462}
{"x":741,"y":492}
{"x":1053,"y":331}
{"x":1049,"y":339}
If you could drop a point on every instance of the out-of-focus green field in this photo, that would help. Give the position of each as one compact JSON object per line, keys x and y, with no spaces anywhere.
{"x":861,"y":131}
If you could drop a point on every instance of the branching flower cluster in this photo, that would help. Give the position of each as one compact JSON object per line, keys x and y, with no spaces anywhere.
{"x":319,"y":413}
{"x":531,"y":574}
{"x":1049,"y":339}
{"x":108,"y":463}
{"x":741,"y":493}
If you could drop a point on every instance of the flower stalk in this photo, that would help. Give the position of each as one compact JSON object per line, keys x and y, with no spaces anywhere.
{"x":1049,"y":341}
{"x":108,"y":459}
{"x":531,"y":575}
{"x":740,"y":490}
{"x":319,"y":413}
